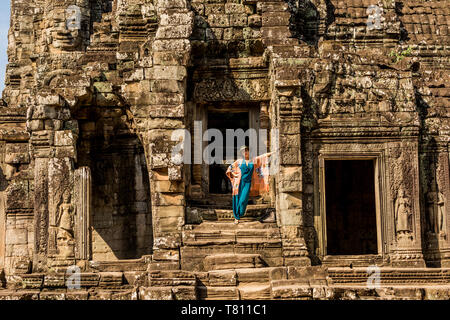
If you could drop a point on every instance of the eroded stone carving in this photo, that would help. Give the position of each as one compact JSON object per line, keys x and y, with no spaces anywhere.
{"x":433,"y":211}
{"x":403,"y":214}
{"x":65,"y":234}
{"x":441,"y":202}
{"x":229,"y":89}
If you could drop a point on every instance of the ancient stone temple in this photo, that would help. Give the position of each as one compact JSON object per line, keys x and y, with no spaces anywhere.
{"x":93,"y":205}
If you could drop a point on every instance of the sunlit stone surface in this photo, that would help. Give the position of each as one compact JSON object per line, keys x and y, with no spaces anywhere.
{"x":93,"y":206}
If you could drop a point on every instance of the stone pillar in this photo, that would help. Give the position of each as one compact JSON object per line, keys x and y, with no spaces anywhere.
{"x":16,"y":203}
{"x":2,"y":230}
{"x":61,"y":210}
{"x":82,"y":223}
{"x":435,"y":192}
{"x":406,"y":222}
{"x":264,"y":124}
{"x":41,"y":222}
{"x":442,"y":205}
{"x":286,"y":106}
{"x":167,"y":104}
{"x":289,"y":183}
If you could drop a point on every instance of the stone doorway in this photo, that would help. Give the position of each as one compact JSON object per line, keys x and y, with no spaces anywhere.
{"x":218,"y":181}
{"x":209,"y":180}
{"x":209,"y":192}
{"x":121,"y":219}
{"x":350,"y":205}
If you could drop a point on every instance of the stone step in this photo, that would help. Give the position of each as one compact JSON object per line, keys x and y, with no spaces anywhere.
{"x":197,"y":214}
{"x":253,"y":275}
{"x":255,"y":291}
{"x":290,"y":289}
{"x":233,"y":277}
{"x":213,"y":200}
{"x":158,"y":278}
{"x":230,"y":225}
{"x":216,"y":200}
{"x":120,"y":265}
{"x":218,"y":293}
{"x":226,"y":261}
{"x":389,"y":276}
{"x":61,"y":280}
{"x":209,"y":238}
{"x":220,"y":233}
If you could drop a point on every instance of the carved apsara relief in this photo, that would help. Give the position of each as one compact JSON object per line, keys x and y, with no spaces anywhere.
{"x":65,"y":222}
{"x":442,"y":173}
{"x":403,"y":215}
{"x":435,"y":195}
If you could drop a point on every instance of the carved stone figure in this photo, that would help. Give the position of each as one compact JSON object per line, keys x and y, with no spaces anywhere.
{"x":431,"y":210}
{"x":66,"y":34}
{"x":65,"y":237}
{"x":402,"y":212}
{"x":441,"y":212}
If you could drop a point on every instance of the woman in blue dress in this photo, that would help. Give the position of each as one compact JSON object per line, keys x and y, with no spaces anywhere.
{"x":249,"y":177}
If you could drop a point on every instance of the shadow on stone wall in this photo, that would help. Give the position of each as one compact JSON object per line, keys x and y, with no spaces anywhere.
{"x":305,"y":20}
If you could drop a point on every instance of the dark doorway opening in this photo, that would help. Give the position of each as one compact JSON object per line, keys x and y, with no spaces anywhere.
{"x":121,"y":206}
{"x":350,"y":207}
{"x":218,"y":181}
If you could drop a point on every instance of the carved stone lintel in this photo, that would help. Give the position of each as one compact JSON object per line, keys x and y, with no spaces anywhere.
{"x":228,"y":89}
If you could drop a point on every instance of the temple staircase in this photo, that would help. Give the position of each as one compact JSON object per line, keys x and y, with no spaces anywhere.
{"x":214,"y":245}
{"x":233,"y":261}
{"x":218,"y":207}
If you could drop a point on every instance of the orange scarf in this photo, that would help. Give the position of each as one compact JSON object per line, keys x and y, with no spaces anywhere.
{"x":260,"y":176}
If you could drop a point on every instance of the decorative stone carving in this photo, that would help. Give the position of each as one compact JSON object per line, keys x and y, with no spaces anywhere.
{"x":224,"y":89}
{"x":65,"y":234}
{"x":441,"y":203}
{"x":432,"y":219}
{"x":403,"y":214}
{"x":66,"y":32}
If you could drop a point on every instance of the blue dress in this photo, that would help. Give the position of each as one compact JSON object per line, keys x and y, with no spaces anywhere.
{"x":240,"y":200}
